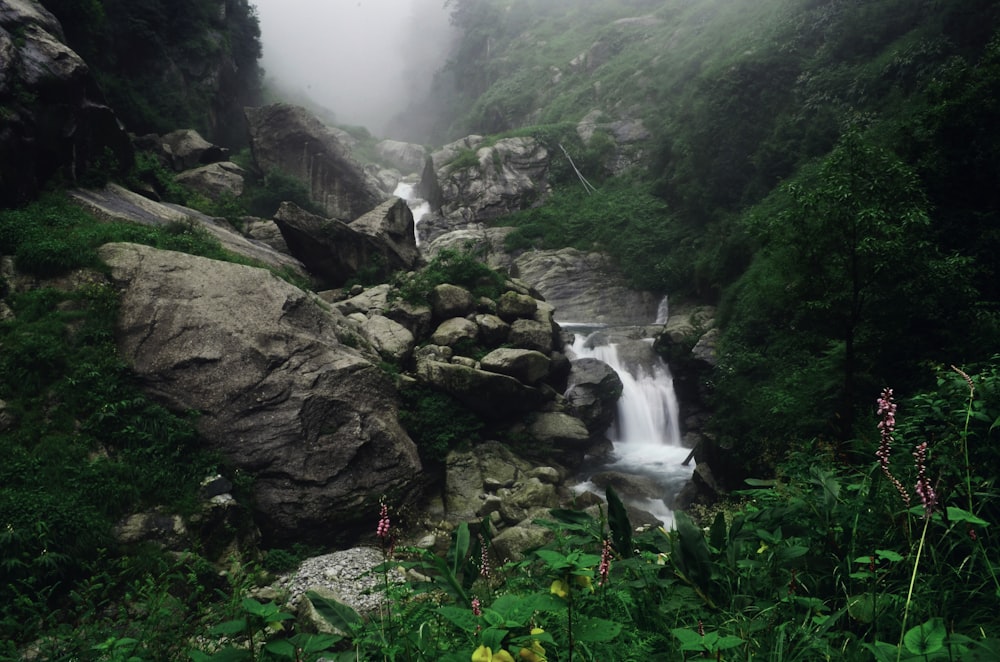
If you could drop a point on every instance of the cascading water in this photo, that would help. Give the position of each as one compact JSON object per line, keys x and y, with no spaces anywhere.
{"x":646,"y":434}
{"x":420,"y":208}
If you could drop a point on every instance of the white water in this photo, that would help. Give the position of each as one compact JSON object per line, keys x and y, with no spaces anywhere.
{"x":418,"y":207}
{"x":646,"y":434}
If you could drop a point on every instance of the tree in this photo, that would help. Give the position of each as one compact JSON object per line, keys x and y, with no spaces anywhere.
{"x":846,"y":291}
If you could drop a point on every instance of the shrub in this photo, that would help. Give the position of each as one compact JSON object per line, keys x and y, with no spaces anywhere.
{"x":437,"y":422}
{"x":460,"y":268}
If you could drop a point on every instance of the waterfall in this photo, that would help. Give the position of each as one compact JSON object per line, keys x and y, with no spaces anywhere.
{"x":646,"y":435}
{"x":420,"y":208}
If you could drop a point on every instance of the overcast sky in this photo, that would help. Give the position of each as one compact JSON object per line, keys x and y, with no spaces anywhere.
{"x":362,"y":59}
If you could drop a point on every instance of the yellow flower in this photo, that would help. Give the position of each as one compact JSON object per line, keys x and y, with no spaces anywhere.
{"x":585,"y":582}
{"x":762,"y":548}
{"x":559,"y":588}
{"x":536,"y":653}
{"x":484,"y":654}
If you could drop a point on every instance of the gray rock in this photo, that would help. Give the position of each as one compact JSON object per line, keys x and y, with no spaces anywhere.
{"x":54,"y":119}
{"x":267,"y":233}
{"x":511,"y":543}
{"x":453,"y":330}
{"x":288,"y":138}
{"x":529,"y":334}
{"x":471,"y":474}
{"x":512,"y":306}
{"x":372,"y":300}
{"x":214,"y":180}
{"x":116,"y":203}
{"x":278,"y":392}
{"x":415,"y":317}
{"x":493,"y":331}
{"x":586,"y":287}
{"x":526,"y":365}
{"x":451,"y":301}
{"x":509,"y":175}
{"x":489,"y":394}
{"x":392,"y":340}
{"x":558,"y":429}
{"x":593,"y":393}
{"x":336,"y":252}
{"x":408,"y":157}
{"x":186,"y":149}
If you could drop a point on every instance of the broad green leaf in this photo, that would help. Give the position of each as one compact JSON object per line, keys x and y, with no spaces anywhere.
{"x":861,"y":607}
{"x":728,"y":641}
{"x":926,"y":638}
{"x":460,"y":616}
{"x":621,"y":527}
{"x":282,"y":648}
{"x":889,"y":555}
{"x":553,"y":559}
{"x":587,"y":628}
{"x":686,"y":636}
{"x":229,"y":627}
{"x":340,"y":616}
{"x":959,"y":515}
{"x":458,"y":551}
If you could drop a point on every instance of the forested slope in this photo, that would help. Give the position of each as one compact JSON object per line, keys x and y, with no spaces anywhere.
{"x":823,"y":169}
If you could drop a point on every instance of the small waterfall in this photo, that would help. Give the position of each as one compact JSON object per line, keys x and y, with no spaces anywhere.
{"x":646,"y":435}
{"x":420,"y":208}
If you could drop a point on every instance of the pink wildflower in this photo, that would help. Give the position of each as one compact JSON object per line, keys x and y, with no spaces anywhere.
{"x":484,"y":559}
{"x":383,"y":523}
{"x":605,"y":567}
{"x":886,"y":426}
{"x":928,"y":497}
{"x":477,"y":607}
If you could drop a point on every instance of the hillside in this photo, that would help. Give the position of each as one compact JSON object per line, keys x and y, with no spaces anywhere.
{"x":214,"y":372}
{"x":823,"y":170}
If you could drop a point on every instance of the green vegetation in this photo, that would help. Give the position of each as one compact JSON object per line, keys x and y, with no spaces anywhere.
{"x":460,"y":268}
{"x":437,"y":423}
{"x":129,"y":45}
{"x":83,"y":447}
{"x":824,"y":562}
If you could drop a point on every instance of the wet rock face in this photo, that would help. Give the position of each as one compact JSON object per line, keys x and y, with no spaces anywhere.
{"x":334,"y":251}
{"x":288,"y":138}
{"x":278,"y":391}
{"x":52,"y":114}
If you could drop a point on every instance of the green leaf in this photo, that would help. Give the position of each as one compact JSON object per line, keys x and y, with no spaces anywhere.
{"x":315,"y":643}
{"x":621,"y":527}
{"x":728,"y":641}
{"x":959,"y":515}
{"x":460,"y":550}
{"x":591,"y":629}
{"x":717,"y":534}
{"x":227,"y":654}
{"x":460,"y":616}
{"x":553,"y":559}
{"x":340,"y":616}
{"x":229,"y":627}
{"x":687,"y":636}
{"x":889,"y":555}
{"x":282,"y":648}
{"x":926,"y":638}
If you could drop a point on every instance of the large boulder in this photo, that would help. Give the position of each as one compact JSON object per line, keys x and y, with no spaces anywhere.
{"x":335,"y":251}
{"x":115,"y":203}
{"x":407,"y":157}
{"x":586,"y":287}
{"x":214,"y":180}
{"x":278,"y":391}
{"x":54,"y":119}
{"x":186,"y":149}
{"x":593,"y":393}
{"x":507,"y":176}
{"x":489,"y":394}
{"x":288,"y":138}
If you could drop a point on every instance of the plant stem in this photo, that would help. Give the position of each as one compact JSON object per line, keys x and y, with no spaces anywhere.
{"x":913,"y":580}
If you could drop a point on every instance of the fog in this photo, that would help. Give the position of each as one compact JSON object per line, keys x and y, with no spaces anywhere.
{"x":364,"y":60}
